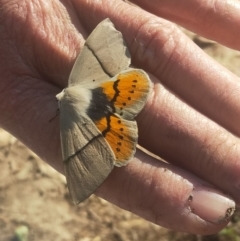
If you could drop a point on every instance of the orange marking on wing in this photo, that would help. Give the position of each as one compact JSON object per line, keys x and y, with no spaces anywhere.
{"x":102,"y":124}
{"x":119,"y":138}
{"x":132,"y":87}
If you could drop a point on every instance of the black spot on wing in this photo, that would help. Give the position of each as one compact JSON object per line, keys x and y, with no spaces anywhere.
{"x":100,"y":105}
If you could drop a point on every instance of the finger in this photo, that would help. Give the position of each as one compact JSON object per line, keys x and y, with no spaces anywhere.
{"x":217,"y":20}
{"x":182,"y":136}
{"x":161,"y":49}
{"x":172,"y":197}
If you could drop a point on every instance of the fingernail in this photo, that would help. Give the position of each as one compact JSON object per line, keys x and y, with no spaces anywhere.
{"x":211,"y":205}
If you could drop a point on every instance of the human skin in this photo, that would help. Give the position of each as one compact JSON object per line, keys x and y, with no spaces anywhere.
{"x":191,"y":119}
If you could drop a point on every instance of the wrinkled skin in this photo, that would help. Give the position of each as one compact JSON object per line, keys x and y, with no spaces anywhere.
{"x":189,"y":117}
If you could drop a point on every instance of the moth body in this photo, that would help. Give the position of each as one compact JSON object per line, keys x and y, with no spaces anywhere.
{"x":75,"y":100}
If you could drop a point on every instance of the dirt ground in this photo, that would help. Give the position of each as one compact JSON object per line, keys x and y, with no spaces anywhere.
{"x":35,"y":205}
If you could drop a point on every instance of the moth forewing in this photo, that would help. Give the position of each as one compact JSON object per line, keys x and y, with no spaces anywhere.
{"x":104,"y":55}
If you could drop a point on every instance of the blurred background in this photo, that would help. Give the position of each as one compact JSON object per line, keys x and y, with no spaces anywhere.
{"x":35,"y":205}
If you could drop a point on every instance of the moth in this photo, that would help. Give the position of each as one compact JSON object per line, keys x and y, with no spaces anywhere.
{"x":97,"y":111}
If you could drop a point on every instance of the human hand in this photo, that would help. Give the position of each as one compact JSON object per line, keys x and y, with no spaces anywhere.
{"x":39,"y":43}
